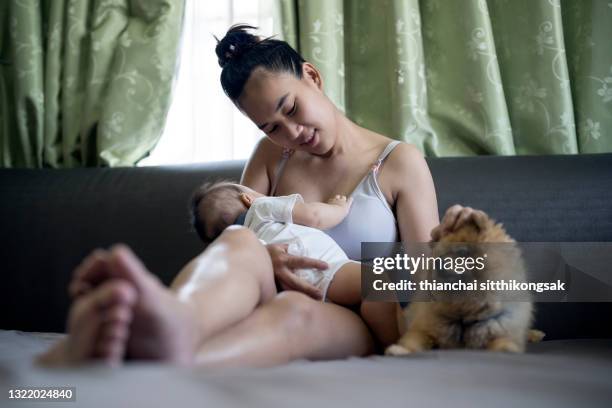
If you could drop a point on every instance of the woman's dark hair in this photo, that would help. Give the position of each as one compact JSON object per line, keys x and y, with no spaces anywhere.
{"x":241,"y":52}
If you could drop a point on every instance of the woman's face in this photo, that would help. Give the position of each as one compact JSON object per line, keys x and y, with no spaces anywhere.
{"x":292,"y":112}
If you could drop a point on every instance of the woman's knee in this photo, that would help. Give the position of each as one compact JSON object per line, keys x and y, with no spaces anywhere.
{"x":245,"y":254}
{"x":317,"y":330}
{"x":295,"y":311}
{"x":239,"y":236}
{"x":237,"y":254}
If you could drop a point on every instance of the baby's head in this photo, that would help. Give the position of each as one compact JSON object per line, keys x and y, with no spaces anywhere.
{"x":215,"y":206}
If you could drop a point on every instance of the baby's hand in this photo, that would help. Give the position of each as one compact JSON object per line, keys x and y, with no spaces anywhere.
{"x":341,"y":201}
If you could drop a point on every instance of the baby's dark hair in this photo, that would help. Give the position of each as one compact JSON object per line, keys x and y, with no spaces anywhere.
{"x":206,"y":197}
{"x":241,"y":52}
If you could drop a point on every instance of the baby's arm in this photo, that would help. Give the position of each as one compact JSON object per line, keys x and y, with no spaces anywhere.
{"x":322,"y":215}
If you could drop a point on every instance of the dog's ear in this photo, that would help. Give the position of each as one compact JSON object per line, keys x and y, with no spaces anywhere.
{"x":480,"y":220}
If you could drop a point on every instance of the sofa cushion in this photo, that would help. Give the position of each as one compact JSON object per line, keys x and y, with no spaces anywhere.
{"x":52,"y":218}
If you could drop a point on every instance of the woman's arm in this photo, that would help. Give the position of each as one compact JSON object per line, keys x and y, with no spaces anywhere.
{"x":416,"y":205}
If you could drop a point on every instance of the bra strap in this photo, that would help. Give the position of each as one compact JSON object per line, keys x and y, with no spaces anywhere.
{"x":385,"y":153}
{"x":279,"y":169}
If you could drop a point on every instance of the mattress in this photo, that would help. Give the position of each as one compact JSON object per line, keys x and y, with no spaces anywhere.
{"x":560,"y":373}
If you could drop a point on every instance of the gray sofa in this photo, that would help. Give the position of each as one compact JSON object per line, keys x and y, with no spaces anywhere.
{"x":52,"y":218}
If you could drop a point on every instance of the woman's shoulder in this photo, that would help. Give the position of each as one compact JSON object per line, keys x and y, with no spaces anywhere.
{"x":260,"y":166}
{"x":266,"y":149}
{"x":265,"y":155}
{"x":404,"y":158}
{"x":406,"y":153}
{"x":406,"y":161}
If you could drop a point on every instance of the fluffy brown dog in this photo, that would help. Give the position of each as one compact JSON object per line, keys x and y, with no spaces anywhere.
{"x":478,"y":321}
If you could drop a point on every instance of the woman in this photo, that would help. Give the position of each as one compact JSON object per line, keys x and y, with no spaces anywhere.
{"x":224,"y":307}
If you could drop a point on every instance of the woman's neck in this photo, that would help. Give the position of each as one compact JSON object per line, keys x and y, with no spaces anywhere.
{"x":350,"y":137}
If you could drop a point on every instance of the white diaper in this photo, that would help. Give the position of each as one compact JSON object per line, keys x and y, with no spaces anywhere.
{"x":321,"y":279}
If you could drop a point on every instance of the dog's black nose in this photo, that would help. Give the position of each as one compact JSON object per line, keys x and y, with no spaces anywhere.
{"x":447,"y":273}
{"x":462,"y":252}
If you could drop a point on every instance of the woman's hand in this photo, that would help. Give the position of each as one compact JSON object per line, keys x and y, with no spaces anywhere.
{"x":455,"y":217}
{"x":284,"y":264}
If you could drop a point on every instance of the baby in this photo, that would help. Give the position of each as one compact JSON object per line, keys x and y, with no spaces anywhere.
{"x":289,"y":220}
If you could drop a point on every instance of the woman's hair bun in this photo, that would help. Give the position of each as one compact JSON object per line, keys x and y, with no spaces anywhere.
{"x":241,"y":51}
{"x":237,"y":42}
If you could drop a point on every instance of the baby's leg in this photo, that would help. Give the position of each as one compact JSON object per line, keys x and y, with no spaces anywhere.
{"x":345,"y":289}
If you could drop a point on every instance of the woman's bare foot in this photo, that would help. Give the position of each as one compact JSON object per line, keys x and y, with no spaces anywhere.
{"x":98,"y":327}
{"x":163,"y":327}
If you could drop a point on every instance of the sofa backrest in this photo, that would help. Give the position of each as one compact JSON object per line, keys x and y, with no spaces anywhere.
{"x":52,"y":218}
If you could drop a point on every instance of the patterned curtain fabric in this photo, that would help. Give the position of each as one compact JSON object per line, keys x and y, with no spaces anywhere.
{"x":465,"y":77}
{"x":85,"y":82}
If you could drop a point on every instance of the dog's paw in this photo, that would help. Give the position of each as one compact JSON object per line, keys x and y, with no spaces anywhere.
{"x":397,"y":350}
{"x":504,"y":345}
{"x":535,"y":336}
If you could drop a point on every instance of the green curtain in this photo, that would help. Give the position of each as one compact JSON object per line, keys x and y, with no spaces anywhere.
{"x":85,"y":82}
{"x":465,"y":77}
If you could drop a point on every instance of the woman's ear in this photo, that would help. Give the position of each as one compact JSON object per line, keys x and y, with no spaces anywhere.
{"x":312,"y":74}
{"x":246,"y":199}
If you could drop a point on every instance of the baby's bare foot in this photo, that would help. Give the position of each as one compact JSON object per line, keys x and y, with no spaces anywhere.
{"x":163,"y":327}
{"x":98,"y":327}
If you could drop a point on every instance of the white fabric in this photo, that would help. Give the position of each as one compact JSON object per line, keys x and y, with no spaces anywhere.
{"x":271,"y":218}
